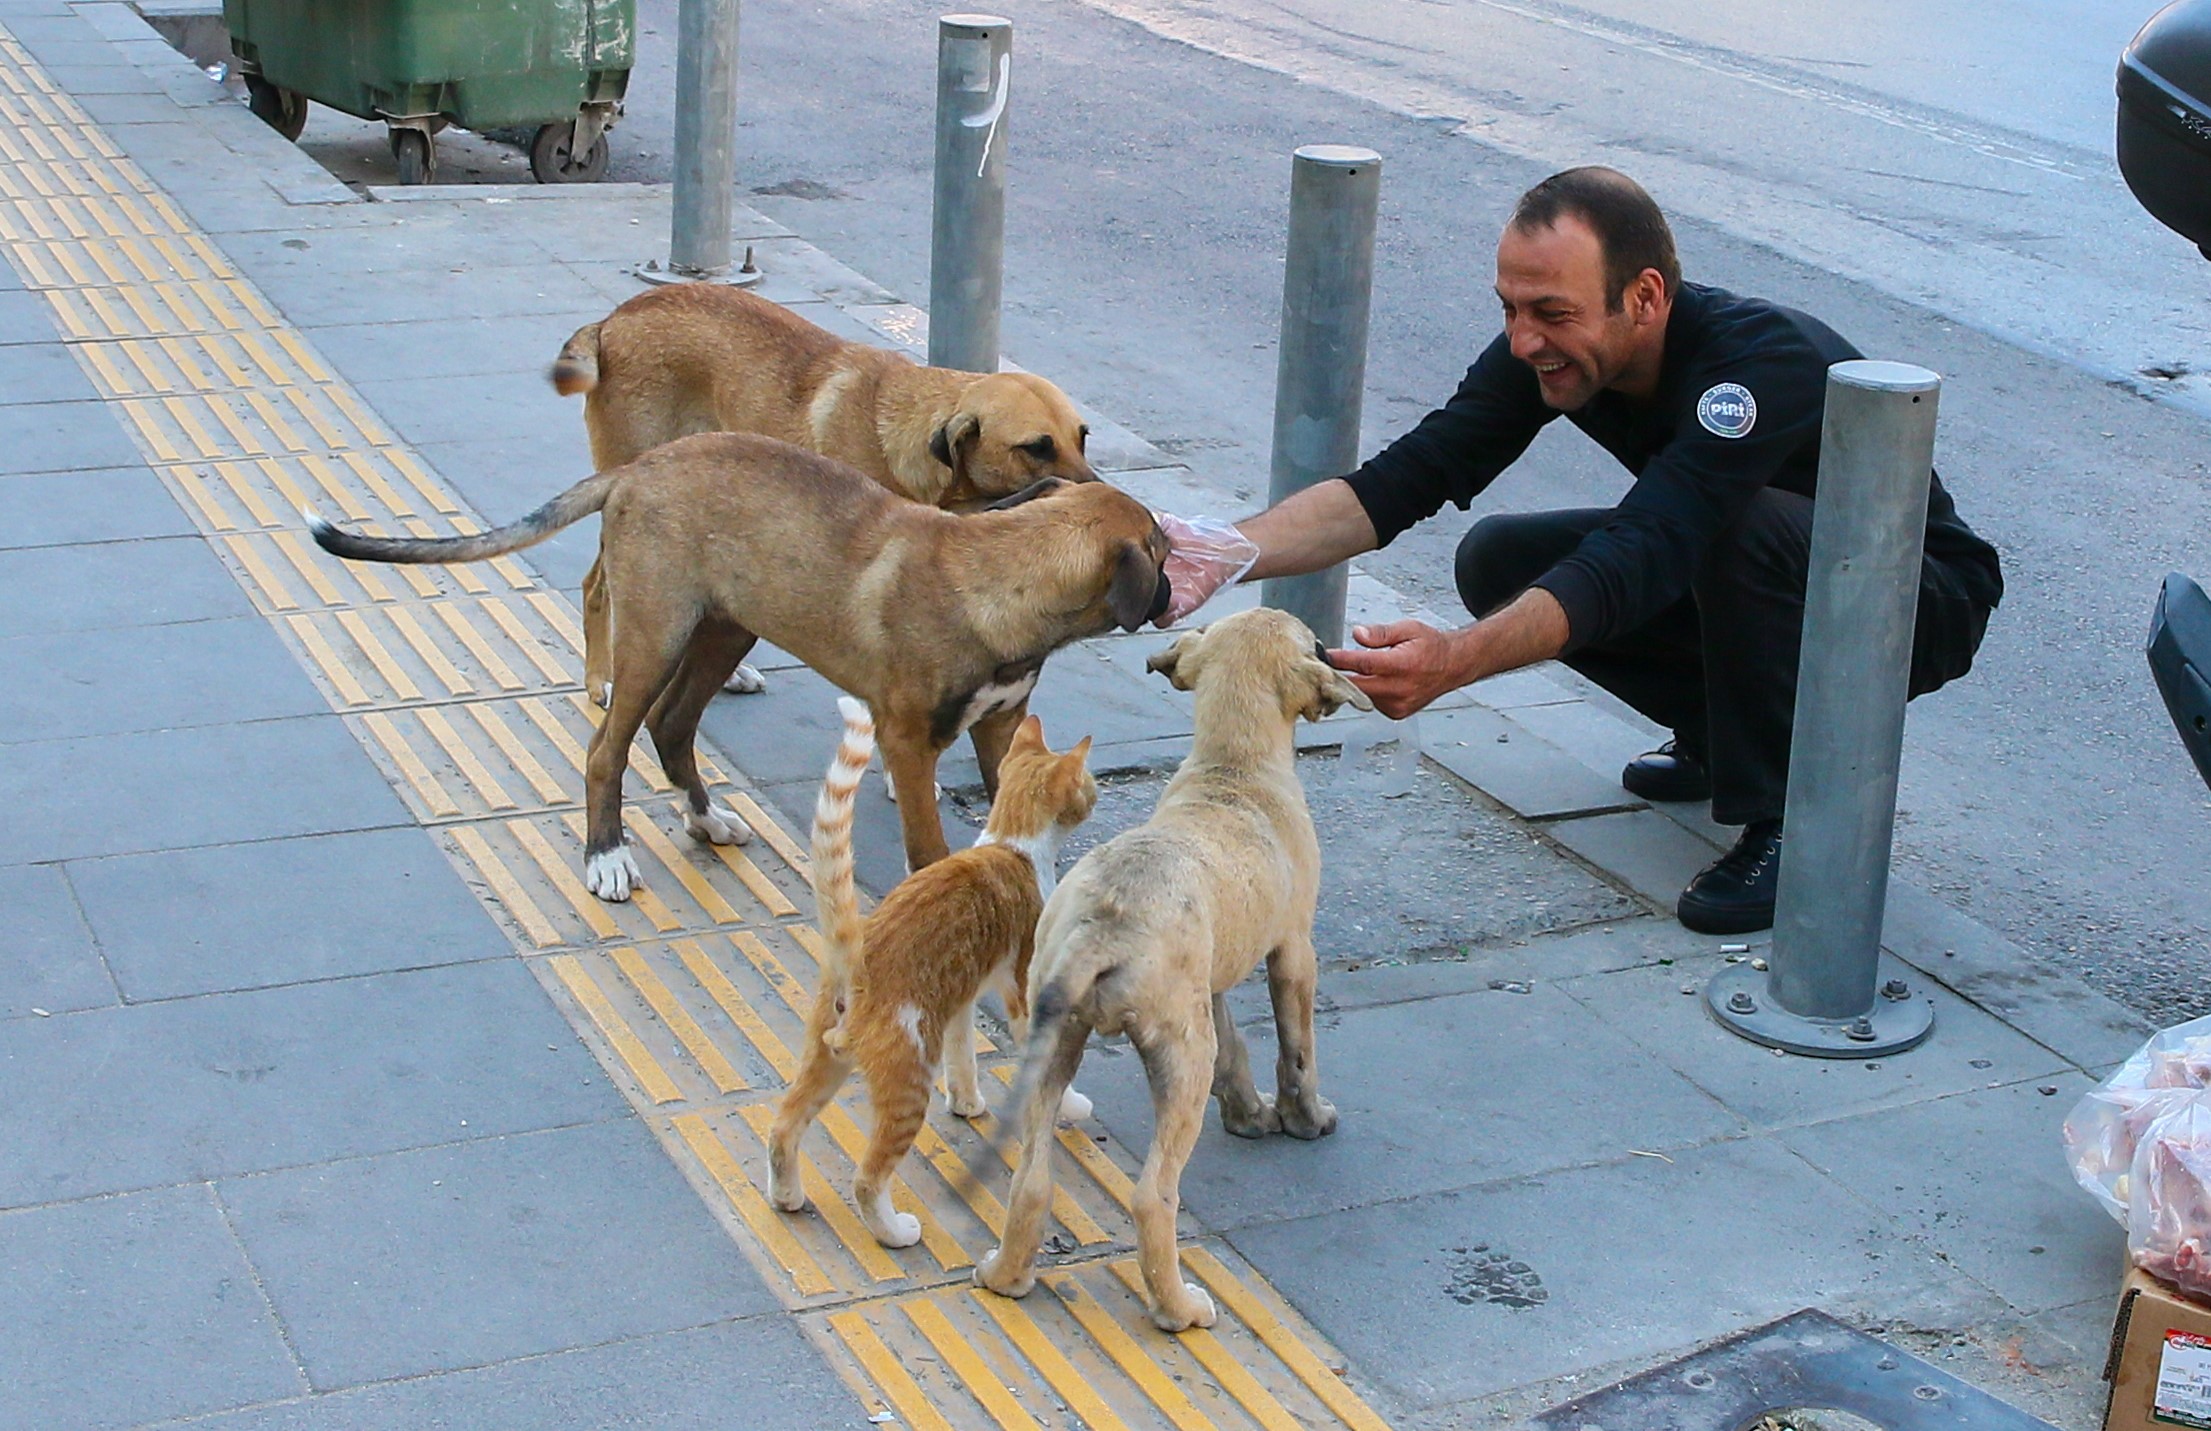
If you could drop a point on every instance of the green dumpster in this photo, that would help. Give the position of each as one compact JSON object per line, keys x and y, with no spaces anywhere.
{"x":418,"y":65}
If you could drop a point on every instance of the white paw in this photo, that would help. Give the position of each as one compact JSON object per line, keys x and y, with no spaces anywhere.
{"x":602,"y":694}
{"x":890,"y":788}
{"x":967,"y":1105}
{"x":613,"y":874}
{"x":789,"y":1196}
{"x":1197,"y":1312}
{"x":718,"y":826}
{"x":1006,"y":1283}
{"x":900,"y":1229}
{"x":745,"y":681}
{"x":1073,"y":1105}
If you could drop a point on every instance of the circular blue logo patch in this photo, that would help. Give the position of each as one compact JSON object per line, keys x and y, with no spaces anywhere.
{"x":1727,"y":410}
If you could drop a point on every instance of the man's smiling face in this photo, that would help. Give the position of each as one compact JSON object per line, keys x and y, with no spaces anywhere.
{"x":1552,"y":285}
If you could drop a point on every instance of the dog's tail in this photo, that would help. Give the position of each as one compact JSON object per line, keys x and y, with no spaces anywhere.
{"x":1049,"y":1008}
{"x":571,"y":506}
{"x":836,"y":900}
{"x":576,"y":370}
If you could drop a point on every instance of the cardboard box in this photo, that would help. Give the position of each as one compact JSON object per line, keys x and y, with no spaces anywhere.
{"x":2160,"y":1362}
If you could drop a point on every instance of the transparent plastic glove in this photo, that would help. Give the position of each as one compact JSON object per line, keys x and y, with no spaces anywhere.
{"x":1204,"y":554}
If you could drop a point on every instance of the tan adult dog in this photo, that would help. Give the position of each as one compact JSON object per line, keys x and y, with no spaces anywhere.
{"x":939,"y":622}
{"x":700,"y":357}
{"x":1149,"y":931}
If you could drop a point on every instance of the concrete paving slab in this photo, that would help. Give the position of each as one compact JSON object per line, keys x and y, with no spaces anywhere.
{"x":1589,"y":733}
{"x":1982,"y":1177}
{"x":1969,"y":1050}
{"x":518,"y":403}
{"x":275,"y":912}
{"x":2061,"y":1013}
{"x":104,"y":586}
{"x":526,"y":343}
{"x":1516,"y":767}
{"x":116,"y":94}
{"x":116,"y":504}
{"x":26,"y":318}
{"x":47,"y":958}
{"x":444,"y":1258}
{"x":194,"y":673}
{"x":142,"y":1096}
{"x":41,"y":373}
{"x":785,"y":733}
{"x":758,"y":1374}
{"x":1648,"y":852}
{"x":1433,"y":1094}
{"x":129,"y":1310}
{"x":63,"y":437}
{"x":1535,"y":685}
{"x":430,"y":291}
{"x":171,"y":789}
{"x":1464,"y":1294}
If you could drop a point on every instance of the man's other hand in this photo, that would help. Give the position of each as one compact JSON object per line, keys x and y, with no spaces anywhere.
{"x":1406,"y":665}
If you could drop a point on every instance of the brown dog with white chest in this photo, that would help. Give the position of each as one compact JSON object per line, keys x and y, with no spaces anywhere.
{"x":939,"y":622}
{"x":707,"y":358}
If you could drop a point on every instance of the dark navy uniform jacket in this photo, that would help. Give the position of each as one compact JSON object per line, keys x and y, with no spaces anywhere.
{"x":1740,"y":397}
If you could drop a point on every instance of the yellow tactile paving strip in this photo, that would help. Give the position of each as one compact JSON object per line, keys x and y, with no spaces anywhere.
{"x":464,"y":686}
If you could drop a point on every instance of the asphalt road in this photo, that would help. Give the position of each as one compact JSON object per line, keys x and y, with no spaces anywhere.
{"x":1947,"y":199}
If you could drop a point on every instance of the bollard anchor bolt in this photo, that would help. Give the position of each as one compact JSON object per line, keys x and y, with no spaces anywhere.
{"x":1896,"y":991}
{"x":1740,"y":1002}
{"x":1859,"y":1030}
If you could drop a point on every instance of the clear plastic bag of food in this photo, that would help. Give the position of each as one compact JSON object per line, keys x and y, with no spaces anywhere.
{"x":2169,"y":1202}
{"x":2105,"y":1129}
{"x":1204,"y":555}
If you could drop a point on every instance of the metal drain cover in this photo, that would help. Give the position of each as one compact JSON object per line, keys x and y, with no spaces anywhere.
{"x":1805,"y":1360}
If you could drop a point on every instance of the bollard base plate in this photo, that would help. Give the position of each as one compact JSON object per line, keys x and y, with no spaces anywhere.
{"x":1741,"y":998}
{"x":651,"y":271}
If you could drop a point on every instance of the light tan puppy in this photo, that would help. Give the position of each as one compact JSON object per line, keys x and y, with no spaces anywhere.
{"x":1149,"y":931}
{"x":699,"y":357}
{"x":939,"y":622}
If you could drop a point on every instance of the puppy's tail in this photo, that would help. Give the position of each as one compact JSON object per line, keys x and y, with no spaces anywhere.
{"x":836,"y":900}
{"x":571,"y":506}
{"x":1048,"y":1013}
{"x":576,"y":370}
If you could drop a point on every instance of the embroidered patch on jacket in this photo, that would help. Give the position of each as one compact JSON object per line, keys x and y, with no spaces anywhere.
{"x":1727,"y":410}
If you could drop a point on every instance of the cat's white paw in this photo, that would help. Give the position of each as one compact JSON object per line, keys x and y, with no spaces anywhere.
{"x":718,"y":826}
{"x":966,"y":1104}
{"x":1074,"y":1105}
{"x":745,"y":681}
{"x":900,"y":1229}
{"x":786,"y":1193}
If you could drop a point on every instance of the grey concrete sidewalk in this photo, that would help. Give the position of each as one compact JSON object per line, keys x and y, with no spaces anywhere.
{"x":287,"y":1128}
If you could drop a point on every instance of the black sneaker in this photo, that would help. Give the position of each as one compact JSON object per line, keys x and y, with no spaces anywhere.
{"x":1734,"y":895}
{"x":1668,"y":773}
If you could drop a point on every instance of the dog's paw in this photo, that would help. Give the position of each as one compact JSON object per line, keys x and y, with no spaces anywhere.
{"x":1073,"y":1105}
{"x":612,"y":874}
{"x":1254,"y":1121}
{"x":602,"y":693}
{"x":786,"y":1193}
{"x":745,"y":681}
{"x":1193,"y":1309}
{"x":900,"y":1229}
{"x":1299,"y":1123}
{"x":1005,"y":1281}
{"x":718,"y":826}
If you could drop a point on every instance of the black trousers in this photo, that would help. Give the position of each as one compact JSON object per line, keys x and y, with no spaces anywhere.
{"x":1718,"y":667}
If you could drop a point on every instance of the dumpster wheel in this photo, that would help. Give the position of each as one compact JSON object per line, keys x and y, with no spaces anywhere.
{"x":553,"y":160}
{"x":417,"y":156}
{"x":280,"y":109}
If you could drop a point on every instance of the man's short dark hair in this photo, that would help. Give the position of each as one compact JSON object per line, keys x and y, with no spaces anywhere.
{"x":1631,"y":232}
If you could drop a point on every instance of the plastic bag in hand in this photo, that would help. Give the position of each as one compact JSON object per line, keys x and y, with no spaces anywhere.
{"x":2106,"y":1127}
{"x":1204,"y":554}
{"x":2169,"y":1207}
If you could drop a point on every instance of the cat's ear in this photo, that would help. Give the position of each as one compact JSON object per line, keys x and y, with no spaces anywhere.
{"x":1081,"y":753}
{"x":1030,"y":733}
{"x":1179,"y":662}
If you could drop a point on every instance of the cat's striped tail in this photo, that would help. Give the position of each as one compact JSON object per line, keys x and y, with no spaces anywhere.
{"x":836,"y":900}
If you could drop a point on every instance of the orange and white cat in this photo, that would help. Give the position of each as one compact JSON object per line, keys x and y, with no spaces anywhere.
{"x":898,"y":988}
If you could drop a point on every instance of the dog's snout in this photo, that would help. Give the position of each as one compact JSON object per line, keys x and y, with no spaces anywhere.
{"x":1320,"y":652}
{"x":1161,"y":596}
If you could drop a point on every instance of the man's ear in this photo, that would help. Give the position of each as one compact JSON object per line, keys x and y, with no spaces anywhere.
{"x":953,"y":443}
{"x":1136,"y":583}
{"x":1328,"y":691}
{"x":1179,"y":662}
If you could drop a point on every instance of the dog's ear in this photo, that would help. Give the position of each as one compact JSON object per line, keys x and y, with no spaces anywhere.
{"x":1179,"y":662}
{"x":1138,"y":583}
{"x":1327,"y":690}
{"x":1041,"y":487}
{"x":953,"y":443}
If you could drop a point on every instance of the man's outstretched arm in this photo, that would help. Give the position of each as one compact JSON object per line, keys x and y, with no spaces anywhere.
{"x":1406,"y":664}
{"x":1313,"y":529}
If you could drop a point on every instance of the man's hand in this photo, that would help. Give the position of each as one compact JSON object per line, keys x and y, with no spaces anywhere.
{"x":1406,"y":664}
{"x":1203,"y":555}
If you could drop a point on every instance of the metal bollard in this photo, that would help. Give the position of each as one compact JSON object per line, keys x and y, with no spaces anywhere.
{"x":1320,"y":374}
{"x":1830,"y":991}
{"x":967,"y":231}
{"x":706,"y":137}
